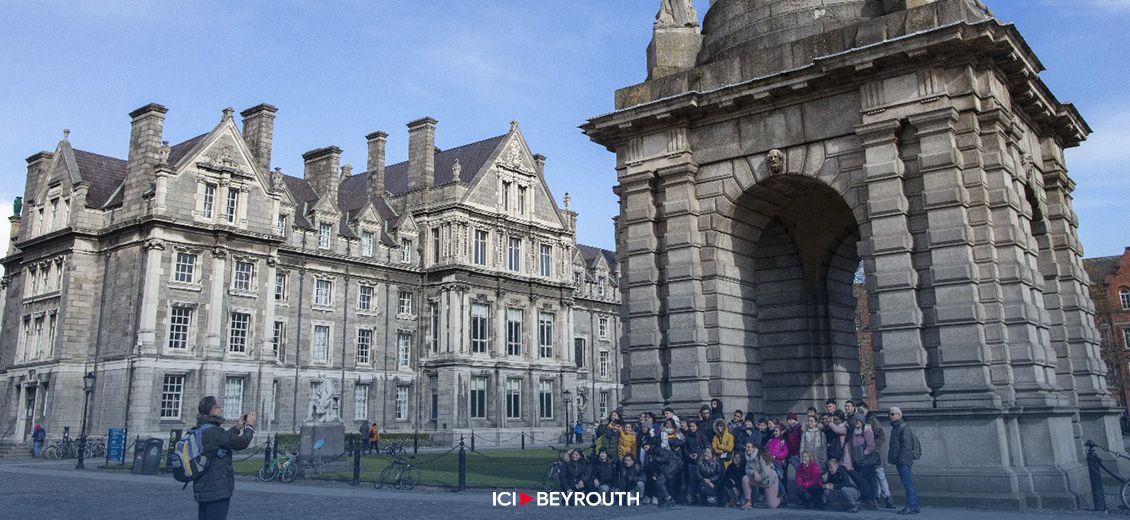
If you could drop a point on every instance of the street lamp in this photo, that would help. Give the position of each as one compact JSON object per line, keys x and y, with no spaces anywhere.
{"x":87,"y":389}
{"x":568,"y":433}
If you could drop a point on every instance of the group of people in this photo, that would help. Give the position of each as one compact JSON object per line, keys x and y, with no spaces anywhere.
{"x":832,"y":458}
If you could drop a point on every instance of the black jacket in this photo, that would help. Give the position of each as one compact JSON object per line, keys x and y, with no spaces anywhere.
{"x":693,"y":445}
{"x":605,"y":472}
{"x":572,"y":472}
{"x":901,"y":448}
{"x":629,"y":477}
{"x":840,"y":479}
{"x":732,"y":475}
{"x":218,"y":481}
{"x":662,"y":460}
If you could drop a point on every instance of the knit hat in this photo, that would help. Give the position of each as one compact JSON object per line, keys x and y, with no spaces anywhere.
{"x":791,"y":416}
{"x":206,"y":405}
{"x":859,"y":417}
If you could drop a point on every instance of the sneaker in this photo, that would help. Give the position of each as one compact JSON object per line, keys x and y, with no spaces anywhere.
{"x":870,"y":505}
{"x":908,"y":511}
{"x":854,"y":509}
{"x":887,"y":504}
{"x":670,"y":502}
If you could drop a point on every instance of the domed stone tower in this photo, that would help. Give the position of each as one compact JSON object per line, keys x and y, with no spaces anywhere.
{"x":791,"y":144}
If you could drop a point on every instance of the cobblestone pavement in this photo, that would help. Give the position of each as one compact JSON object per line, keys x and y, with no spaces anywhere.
{"x":49,"y":490}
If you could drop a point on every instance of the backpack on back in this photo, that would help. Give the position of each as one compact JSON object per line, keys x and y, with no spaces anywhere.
{"x":188,"y":461}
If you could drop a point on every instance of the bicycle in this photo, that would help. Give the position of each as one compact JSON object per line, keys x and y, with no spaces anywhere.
{"x":407,"y":474}
{"x":1124,"y":483}
{"x":396,"y":448}
{"x":552,"y":479}
{"x":282,"y":467}
{"x":66,"y":448}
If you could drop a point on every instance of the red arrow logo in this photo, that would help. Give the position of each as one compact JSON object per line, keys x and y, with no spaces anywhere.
{"x":524,"y":499}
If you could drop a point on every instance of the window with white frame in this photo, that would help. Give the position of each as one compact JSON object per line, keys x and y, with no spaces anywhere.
{"x":513,"y":398}
{"x":480,"y":329}
{"x":435,"y":245}
{"x":505,"y":195}
{"x":1125,"y":337}
{"x":521,"y":200}
{"x":180,"y":319}
{"x":364,"y":346}
{"x":325,"y":234}
{"x":233,"y":396}
{"x":602,"y":360}
{"x":603,"y":403}
{"x":280,"y":286}
{"x":366,"y":243}
{"x":577,"y":279}
{"x":209,"y":200}
{"x":365,"y":297}
{"x":184,"y":270}
{"x":403,"y":349}
{"x":545,"y":334}
{"x":546,"y":259}
{"x":238,"y":329}
{"x":545,"y":399}
{"x":433,"y":326}
{"x":514,"y":319}
{"x":172,"y":392}
{"x":323,"y":291}
{"x":514,"y":255}
{"x":402,"y":403}
{"x":360,"y":402}
{"x":1124,"y":298}
{"x":321,"y":347}
{"x":404,"y":303}
{"x":602,"y":327}
{"x":242,"y":278}
{"x":406,"y":251}
{"x":233,"y":204}
{"x":280,"y":225}
{"x":480,"y":247}
{"x":278,"y":339}
{"x":478,"y":397}
{"x":600,"y":285}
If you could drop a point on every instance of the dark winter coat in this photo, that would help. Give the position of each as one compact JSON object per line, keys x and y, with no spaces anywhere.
{"x":792,"y":439}
{"x":38,"y":435}
{"x":629,"y":476}
{"x":693,"y":444}
{"x":605,"y":472}
{"x":574,"y":471}
{"x":218,"y":480}
{"x":901,"y":449}
{"x":840,"y":479}
{"x":662,"y":460}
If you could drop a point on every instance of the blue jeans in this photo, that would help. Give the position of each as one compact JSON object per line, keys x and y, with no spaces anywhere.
{"x":908,"y":483}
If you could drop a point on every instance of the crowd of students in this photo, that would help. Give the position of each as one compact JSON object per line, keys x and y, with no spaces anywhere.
{"x":832,"y":458}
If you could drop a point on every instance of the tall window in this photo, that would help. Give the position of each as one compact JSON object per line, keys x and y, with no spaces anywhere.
{"x":364,"y":346}
{"x":404,"y":303}
{"x":545,"y":335}
{"x":323,"y":289}
{"x":278,"y":339}
{"x":403,"y":349}
{"x":1124,"y":297}
{"x":478,"y":397}
{"x":600,"y":285}
{"x":325,"y":233}
{"x":577,"y":279}
{"x":360,"y":402}
{"x":280,"y":225}
{"x":233,"y":204}
{"x":435,"y":245}
{"x":602,"y":327}
{"x":546,"y":259}
{"x":366,"y":244}
{"x":365,"y":298}
{"x":514,"y":332}
{"x":1125,"y":337}
{"x":233,"y":396}
{"x":521,"y":200}
{"x":237,"y":335}
{"x":402,"y":403}
{"x":515,"y":254}
{"x":185,"y":269}
{"x":243,"y":273}
{"x":505,"y":196}
{"x":321,"y":349}
{"x":603,"y":403}
{"x":513,"y":398}
{"x":172,"y":389}
{"x":280,"y":287}
{"x":480,"y":250}
{"x":209,"y":200}
{"x":602,"y":360}
{"x":180,"y":319}
{"x":545,"y":399}
{"x":479,"y":327}
{"x":579,"y":352}
{"x":406,"y":251}
{"x":433,"y":326}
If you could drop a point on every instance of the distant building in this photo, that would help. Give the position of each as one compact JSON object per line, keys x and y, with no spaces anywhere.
{"x":445,"y":293}
{"x":1110,"y":289}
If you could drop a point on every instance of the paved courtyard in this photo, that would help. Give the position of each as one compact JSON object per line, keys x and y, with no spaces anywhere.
{"x":48,"y":490}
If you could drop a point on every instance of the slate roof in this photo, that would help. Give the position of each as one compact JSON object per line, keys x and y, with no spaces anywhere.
{"x":102,"y":174}
{"x":471,"y":157}
{"x":178,"y":151}
{"x":1101,"y":267}
{"x":590,"y":254}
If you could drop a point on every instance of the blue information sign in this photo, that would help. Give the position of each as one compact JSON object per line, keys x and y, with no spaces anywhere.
{"x":116,"y":446}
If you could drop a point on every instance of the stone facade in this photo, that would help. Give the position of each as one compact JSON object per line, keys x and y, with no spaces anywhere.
{"x":807,"y":136}
{"x":1110,"y":290}
{"x":446,"y":293}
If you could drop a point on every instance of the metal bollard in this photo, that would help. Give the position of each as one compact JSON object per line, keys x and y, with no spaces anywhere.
{"x":357,"y":462}
{"x":275,"y":447}
{"x":472,"y":441}
{"x":267,"y":452}
{"x":1094,"y":465}
{"x":463,"y":464}
{"x":523,"y":440}
{"x":415,"y":444}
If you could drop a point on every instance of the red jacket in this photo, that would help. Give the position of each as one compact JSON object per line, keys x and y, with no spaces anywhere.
{"x":808,"y":476}
{"x":792,"y":438}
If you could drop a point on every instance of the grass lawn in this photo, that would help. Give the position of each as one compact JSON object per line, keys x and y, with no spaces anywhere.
{"x":501,"y":468}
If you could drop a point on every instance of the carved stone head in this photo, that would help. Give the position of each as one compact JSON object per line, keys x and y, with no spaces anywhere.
{"x":776,"y":160}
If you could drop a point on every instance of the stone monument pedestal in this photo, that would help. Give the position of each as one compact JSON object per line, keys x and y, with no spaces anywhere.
{"x":320,"y":442}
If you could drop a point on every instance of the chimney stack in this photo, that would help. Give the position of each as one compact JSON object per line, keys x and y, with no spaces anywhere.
{"x":148,"y":122}
{"x":539,"y":164}
{"x":259,"y":132}
{"x":376,"y":180}
{"x":321,"y":171}
{"x":421,"y":153}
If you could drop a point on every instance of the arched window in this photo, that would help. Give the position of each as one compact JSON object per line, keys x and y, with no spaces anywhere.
{"x":1124,"y":297}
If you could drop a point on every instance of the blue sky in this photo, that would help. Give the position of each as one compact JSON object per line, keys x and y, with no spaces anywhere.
{"x":339,"y":70}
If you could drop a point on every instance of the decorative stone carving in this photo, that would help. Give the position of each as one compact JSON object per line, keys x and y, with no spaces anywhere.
{"x":322,"y":409}
{"x":676,"y":13}
{"x":155,"y":243}
{"x":219,"y":252}
{"x":456,"y":169}
{"x":17,"y":206}
{"x":776,"y":161}
{"x":164,"y":157}
{"x":514,"y":156}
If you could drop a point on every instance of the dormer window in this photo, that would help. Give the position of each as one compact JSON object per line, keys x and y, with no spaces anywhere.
{"x":209,"y":200}
{"x":366,"y":244}
{"x":325,"y":232}
{"x":600,"y":286}
{"x":233,"y":205}
{"x":280,"y":225}
{"x":406,"y":251}
{"x":546,"y":259}
{"x":521,"y":200}
{"x":506,"y":196}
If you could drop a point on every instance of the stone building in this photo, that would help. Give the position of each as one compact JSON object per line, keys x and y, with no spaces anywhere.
{"x":1110,"y":290}
{"x":768,"y":154}
{"x":444,"y":293}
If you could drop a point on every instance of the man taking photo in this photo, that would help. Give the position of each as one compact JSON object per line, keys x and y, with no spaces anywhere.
{"x":213,"y":490}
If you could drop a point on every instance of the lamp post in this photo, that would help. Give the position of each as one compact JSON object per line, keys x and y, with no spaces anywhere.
{"x":87,"y":389}
{"x":568,"y":432}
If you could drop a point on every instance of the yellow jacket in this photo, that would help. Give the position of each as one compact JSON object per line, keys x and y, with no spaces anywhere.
{"x":627,"y":443}
{"x":723,"y":443}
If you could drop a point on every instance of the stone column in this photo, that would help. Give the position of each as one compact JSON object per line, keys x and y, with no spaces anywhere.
{"x":213,"y":343}
{"x":957,"y":314}
{"x":892,"y":283}
{"x":147,"y":325}
{"x":638,"y":245}
{"x":444,"y":320}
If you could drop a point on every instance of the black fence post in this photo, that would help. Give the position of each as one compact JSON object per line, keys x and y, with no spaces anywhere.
{"x":357,"y":462}
{"x":523,"y":440}
{"x":415,"y":444}
{"x":267,"y":452}
{"x":275,"y":447}
{"x":463,"y":464}
{"x":472,"y":441}
{"x":1094,"y":465}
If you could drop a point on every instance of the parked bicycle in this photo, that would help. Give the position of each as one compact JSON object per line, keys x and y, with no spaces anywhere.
{"x":1124,"y":483}
{"x":403,"y":474}
{"x":66,"y":448}
{"x":396,"y":448}
{"x":284,"y":467}
{"x":552,"y":479}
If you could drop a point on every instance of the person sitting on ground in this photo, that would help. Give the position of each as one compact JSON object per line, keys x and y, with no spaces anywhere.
{"x":575,"y":473}
{"x":603,"y":472}
{"x":839,"y":487}
{"x":809,"y":486}
{"x":632,"y":477}
{"x":731,"y":481}
{"x":760,"y":474}
{"x":709,"y":473}
{"x":723,"y":440}
{"x":662,"y":465}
